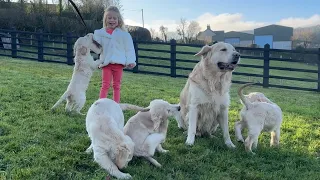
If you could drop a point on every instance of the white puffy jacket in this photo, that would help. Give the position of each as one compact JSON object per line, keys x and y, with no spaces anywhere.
{"x":117,"y":48}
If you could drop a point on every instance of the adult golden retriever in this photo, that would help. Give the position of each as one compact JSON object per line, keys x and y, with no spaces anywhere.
{"x":205,"y":98}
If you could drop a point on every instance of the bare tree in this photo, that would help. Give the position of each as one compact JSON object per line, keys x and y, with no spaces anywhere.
{"x":303,"y":35}
{"x":164,"y":32}
{"x":192,"y":30}
{"x":172,"y":35}
{"x":118,"y":4}
{"x":153,"y":33}
{"x":181,"y":29}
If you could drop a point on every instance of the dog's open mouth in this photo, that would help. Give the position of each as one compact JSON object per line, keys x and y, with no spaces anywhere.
{"x":96,"y":43}
{"x":227,"y":66}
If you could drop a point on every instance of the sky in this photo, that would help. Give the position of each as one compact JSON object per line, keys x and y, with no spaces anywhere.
{"x":227,"y":15}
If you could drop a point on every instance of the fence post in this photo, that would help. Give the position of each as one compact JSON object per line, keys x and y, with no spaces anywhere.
{"x":69,"y":49}
{"x":318,"y":70}
{"x":13,"y":44}
{"x":173,"y":57}
{"x":40,"y":46}
{"x":136,"y":68}
{"x":266,"y":65}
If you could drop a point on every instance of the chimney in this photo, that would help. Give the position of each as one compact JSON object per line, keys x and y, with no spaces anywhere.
{"x":208,"y":26}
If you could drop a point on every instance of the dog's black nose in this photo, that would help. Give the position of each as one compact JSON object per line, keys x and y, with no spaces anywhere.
{"x":179,"y":108}
{"x":236,"y":55}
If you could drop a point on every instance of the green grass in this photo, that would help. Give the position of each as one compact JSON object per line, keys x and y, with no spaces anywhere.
{"x":38,"y":144}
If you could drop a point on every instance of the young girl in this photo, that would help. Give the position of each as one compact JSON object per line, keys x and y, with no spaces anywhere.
{"x":118,"y":51}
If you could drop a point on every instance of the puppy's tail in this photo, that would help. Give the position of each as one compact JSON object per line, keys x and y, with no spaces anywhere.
{"x":62,"y":98}
{"x":244,"y":99}
{"x":125,"y":106}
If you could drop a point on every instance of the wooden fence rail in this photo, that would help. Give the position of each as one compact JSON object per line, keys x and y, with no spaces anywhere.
{"x":168,"y":60}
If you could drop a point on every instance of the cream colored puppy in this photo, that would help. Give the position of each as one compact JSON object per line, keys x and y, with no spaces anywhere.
{"x":257,"y":97}
{"x":205,"y":98}
{"x":112,"y":149}
{"x":82,"y":72}
{"x":148,"y":129}
{"x":258,"y":114}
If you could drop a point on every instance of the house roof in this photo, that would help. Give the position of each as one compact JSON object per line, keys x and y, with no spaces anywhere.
{"x":279,"y":33}
{"x":207,"y":33}
{"x":273,"y":26}
{"x":241,"y":35}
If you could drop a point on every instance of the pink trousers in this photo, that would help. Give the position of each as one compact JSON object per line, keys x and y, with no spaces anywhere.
{"x":114,"y":72}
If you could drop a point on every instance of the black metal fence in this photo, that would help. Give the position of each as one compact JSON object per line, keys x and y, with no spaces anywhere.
{"x":177,"y":60}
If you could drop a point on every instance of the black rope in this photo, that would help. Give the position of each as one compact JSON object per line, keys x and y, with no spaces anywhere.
{"x":78,"y":12}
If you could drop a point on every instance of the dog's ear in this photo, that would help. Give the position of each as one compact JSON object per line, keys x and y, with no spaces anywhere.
{"x":83,"y":50}
{"x":158,"y":118}
{"x":122,"y":148}
{"x":205,"y":49}
{"x":156,"y":125}
{"x":121,"y":155}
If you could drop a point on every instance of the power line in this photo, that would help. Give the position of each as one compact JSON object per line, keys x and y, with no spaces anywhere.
{"x":132,"y":9}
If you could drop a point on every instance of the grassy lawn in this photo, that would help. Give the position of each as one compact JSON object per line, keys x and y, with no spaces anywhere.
{"x":38,"y":144}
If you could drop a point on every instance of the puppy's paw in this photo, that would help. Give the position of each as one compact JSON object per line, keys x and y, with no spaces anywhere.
{"x":230,"y":145}
{"x":164,"y":151}
{"x":124,"y":176}
{"x":240,"y":139}
{"x":251,"y":153}
{"x":190,"y":141}
{"x":156,"y":164}
{"x":82,"y":114}
{"x":88,"y":151}
{"x":274,"y":145}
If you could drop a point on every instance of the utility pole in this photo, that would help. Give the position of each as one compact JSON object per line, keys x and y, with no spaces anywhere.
{"x":141,"y":14}
{"x":142,"y":19}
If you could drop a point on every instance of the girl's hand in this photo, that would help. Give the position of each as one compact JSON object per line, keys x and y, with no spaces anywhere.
{"x":100,"y":66}
{"x":132,"y":65}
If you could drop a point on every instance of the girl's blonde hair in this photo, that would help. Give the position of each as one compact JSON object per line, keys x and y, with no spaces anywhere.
{"x":121,"y":24}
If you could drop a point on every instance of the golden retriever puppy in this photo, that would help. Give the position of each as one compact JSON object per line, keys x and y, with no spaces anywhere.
{"x":257,"y":97}
{"x":258,"y":114}
{"x":112,"y":149}
{"x":148,"y":129}
{"x":205,"y":99}
{"x":82,"y":72}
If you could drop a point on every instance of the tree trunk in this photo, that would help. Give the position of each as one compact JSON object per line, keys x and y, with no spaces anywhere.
{"x":60,"y":7}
